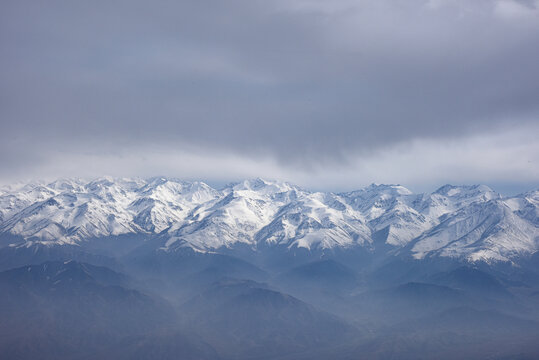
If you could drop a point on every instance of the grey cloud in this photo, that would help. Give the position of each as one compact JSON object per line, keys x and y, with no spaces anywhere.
{"x":301,"y":81}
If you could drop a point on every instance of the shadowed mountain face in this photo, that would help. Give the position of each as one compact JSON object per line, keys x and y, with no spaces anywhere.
{"x":460,"y":332}
{"x":70,"y":310}
{"x":327,"y":274}
{"x":13,"y":257}
{"x":472,"y":280}
{"x":407,"y":301}
{"x":248,"y":319}
{"x":323,"y":283}
{"x":73,"y":310}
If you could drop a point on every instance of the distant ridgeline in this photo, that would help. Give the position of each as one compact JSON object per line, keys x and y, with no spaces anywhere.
{"x":469,"y":223}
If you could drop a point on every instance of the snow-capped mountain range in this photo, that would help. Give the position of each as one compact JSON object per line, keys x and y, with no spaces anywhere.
{"x":466,"y":222}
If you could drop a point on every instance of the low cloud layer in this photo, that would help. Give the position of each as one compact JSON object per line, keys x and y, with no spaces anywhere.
{"x":328,"y":94}
{"x":506,"y":160}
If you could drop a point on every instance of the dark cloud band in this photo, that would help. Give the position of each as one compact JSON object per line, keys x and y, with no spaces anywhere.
{"x":303,"y":82}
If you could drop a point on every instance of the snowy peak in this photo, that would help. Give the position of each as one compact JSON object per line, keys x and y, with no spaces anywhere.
{"x":259,"y":187}
{"x":316,"y":220}
{"x":471,"y":222}
{"x":467,"y":191}
{"x":172,"y":190}
{"x":72,"y":210}
{"x":483,"y":231}
{"x":463,"y":195}
{"x":377,"y":192}
{"x":236,"y":216}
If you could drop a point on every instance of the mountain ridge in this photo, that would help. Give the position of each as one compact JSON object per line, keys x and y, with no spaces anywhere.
{"x":470,"y":222}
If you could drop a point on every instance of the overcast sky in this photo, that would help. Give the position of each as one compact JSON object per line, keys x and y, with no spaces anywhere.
{"x":330,"y":95}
